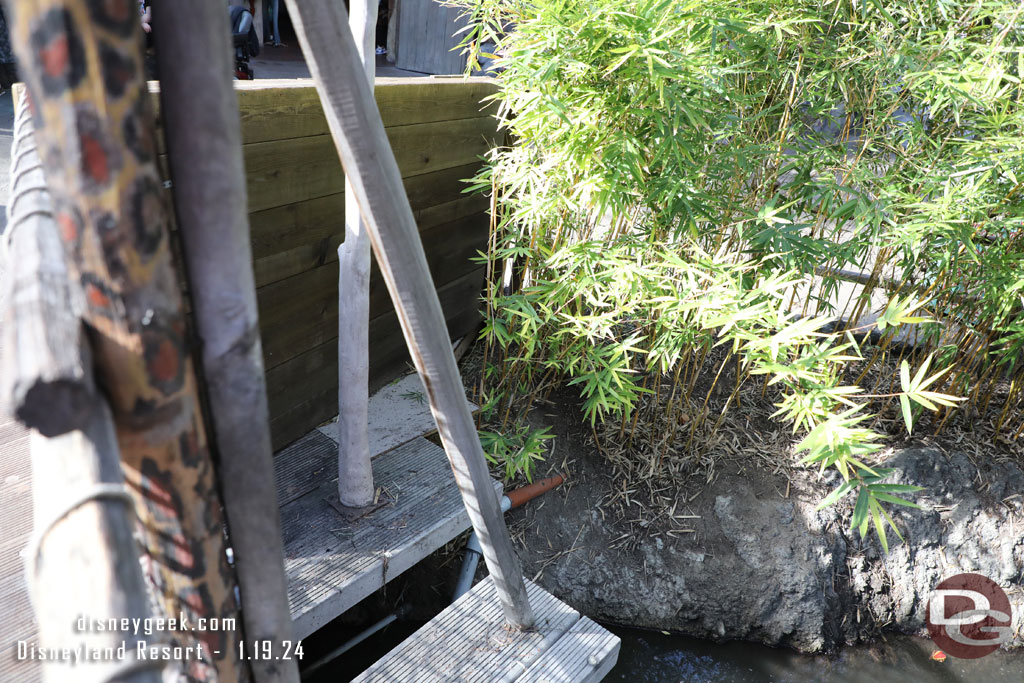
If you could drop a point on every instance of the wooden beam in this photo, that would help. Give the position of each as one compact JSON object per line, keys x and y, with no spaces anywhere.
{"x":289,"y":108}
{"x":377,"y":185}
{"x":204,"y":142}
{"x":45,"y":382}
{"x":302,"y":390}
{"x":114,"y":226}
{"x":355,"y":476}
{"x":82,"y":558}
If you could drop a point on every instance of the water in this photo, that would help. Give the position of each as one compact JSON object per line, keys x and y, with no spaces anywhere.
{"x":653,"y":657}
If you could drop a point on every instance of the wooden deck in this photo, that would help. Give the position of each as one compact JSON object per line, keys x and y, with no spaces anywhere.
{"x":16,"y":619}
{"x":333,"y":563}
{"x":469,"y":641}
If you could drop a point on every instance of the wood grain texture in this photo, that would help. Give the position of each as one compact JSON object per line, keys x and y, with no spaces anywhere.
{"x":279,"y":109}
{"x":281,"y":172}
{"x":428,"y":36}
{"x":208,"y":174}
{"x":469,"y":642}
{"x":586,"y":653}
{"x":333,"y":564}
{"x":376,"y":181}
{"x":299,"y":237}
{"x":16,"y":521}
{"x":355,"y":477}
{"x":92,"y":564}
{"x":302,"y":389}
{"x":296,"y":226}
{"x":45,"y":378}
{"x":116,"y":238}
{"x":88,"y":563}
{"x":300,"y":312}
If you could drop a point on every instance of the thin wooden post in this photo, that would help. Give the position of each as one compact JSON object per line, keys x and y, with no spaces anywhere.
{"x":45,"y":380}
{"x":82,"y":558}
{"x":355,"y":475}
{"x":376,"y":182}
{"x":204,"y":144}
{"x":83,"y":65}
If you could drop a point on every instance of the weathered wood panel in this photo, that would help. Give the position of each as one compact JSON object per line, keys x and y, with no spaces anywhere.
{"x":280,"y":109}
{"x":288,"y":240}
{"x":469,"y":642}
{"x":300,"y":312}
{"x":333,"y":564}
{"x":302,"y":390}
{"x":439,"y":129}
{"x":281,"y":172}
{"x":428,"y":34}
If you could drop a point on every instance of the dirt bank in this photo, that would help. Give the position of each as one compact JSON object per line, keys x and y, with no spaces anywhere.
{"x":747,"y":556}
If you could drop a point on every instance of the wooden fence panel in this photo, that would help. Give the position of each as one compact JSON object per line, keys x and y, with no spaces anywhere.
{"x":438,"y":129}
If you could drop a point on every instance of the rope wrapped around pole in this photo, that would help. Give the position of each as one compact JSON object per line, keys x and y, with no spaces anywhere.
{"x":82,"y":558}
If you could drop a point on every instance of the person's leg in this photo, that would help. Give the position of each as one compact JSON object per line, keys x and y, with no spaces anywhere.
{"x":277,"y":28}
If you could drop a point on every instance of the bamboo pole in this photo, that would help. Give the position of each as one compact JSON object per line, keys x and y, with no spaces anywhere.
{"x":82,"y":559}
{"x":370,"y":166}
{"x":355,"y":476}
{"x":83,"y":66}
{"x":204,"y":144}
{"x":45,"y":381}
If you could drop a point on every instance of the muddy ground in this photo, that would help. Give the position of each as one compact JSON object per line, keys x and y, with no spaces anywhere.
{"x":748,"y":556}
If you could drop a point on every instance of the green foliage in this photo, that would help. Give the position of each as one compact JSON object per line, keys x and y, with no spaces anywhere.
{"x":516,"y":450}
{"x":685,"y":175}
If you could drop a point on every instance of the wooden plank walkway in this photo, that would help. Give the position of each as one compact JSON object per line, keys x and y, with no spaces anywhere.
{"x":399,"y":412}
{"x":469,"y":641}
{"x":333,"y":563}
{"x":16,"y":619}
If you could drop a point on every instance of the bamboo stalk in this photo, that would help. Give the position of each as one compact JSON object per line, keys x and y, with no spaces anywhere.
{"x":355,"y":475}
{"x":370,"y":165}
{"x":46,"y":382}
{"x":204,"y":144}
{"x":95,"y":132}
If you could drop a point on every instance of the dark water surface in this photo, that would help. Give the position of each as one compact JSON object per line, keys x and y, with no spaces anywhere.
{"x":651,"y":656}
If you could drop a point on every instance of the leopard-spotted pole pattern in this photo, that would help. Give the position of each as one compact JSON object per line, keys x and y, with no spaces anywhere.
{"x":82,"y":64}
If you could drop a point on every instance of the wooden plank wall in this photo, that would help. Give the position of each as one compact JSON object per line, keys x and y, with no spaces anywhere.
{"x":428,"y":37}
{"x":438,"y":131}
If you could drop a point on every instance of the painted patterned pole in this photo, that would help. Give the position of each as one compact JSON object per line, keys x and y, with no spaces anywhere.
{"x":82,"y":63}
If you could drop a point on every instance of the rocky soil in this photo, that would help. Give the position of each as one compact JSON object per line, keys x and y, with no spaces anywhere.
{"x":747,"y":556}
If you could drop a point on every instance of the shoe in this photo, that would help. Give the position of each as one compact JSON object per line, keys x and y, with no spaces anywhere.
{"x":382,"y":50}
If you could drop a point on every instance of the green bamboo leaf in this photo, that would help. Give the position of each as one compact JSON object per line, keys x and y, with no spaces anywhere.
{"x":860,"y":513}
{"x":838,"y":493}
{"x":943,"y":399}
{"x":876,"y":517}
{"x":919,"y":376}
{"x":919,"y":399}
{"x":895,"y":500}
{"x":908,"y":415}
